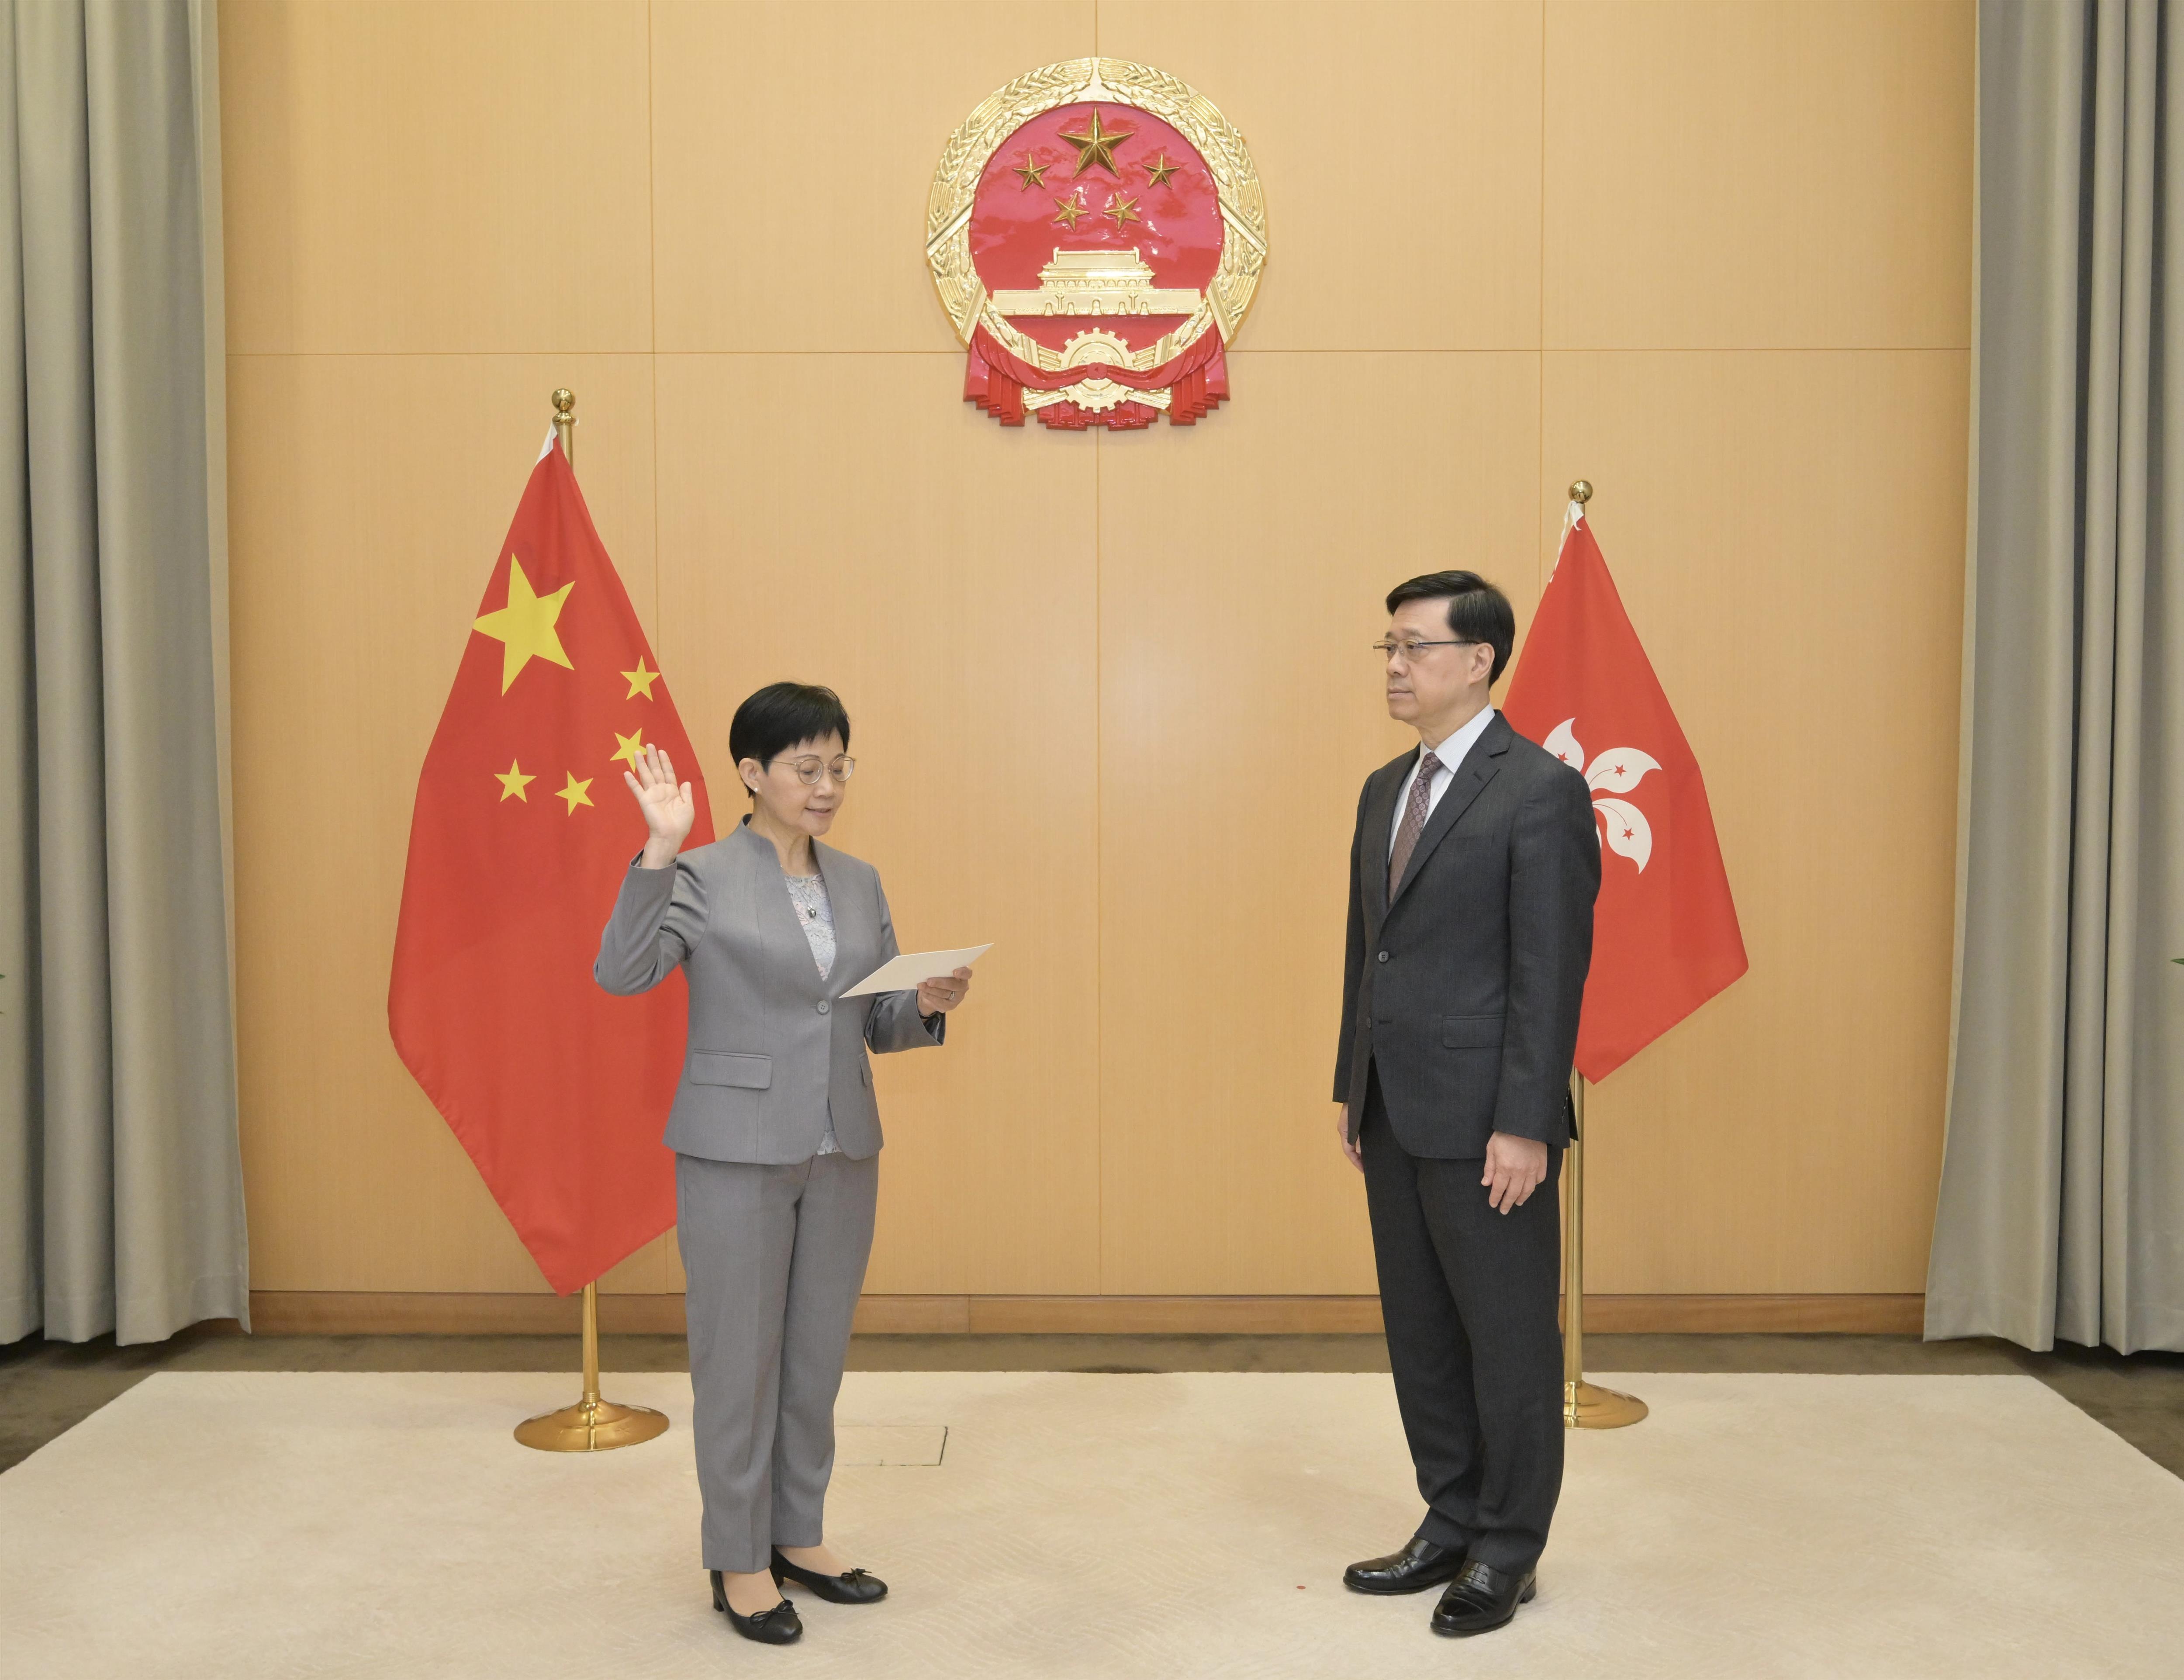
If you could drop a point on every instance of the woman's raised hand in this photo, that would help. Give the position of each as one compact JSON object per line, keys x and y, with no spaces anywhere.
{"x":669,"y":810}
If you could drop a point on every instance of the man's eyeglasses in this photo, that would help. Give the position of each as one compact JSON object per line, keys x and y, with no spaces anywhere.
{"x":1410,"y":650}
{"x":809,"y":768}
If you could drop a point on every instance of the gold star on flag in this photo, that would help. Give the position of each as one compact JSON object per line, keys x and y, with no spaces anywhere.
{"x":628,"y":746}
{"x":525,"y":626}
{"x":1070,"y":209}
{"x":1034,"y":175}
{"x":640,"y":680}
{"x":1097,"y":146}
{"x":513,"y":781}
{"x":574,"y":794}
{"x":1124,"y":210}
{"x":1159,"y":168}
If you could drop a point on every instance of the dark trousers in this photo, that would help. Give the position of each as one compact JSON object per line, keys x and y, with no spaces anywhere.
{"x":1469,"y":1297}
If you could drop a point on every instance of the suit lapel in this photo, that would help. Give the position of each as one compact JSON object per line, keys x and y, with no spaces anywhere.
{"x":856,"y":930}
{"x":780,"y":930}
{"x":1373,"y":844}
{"x":1478,"y":768}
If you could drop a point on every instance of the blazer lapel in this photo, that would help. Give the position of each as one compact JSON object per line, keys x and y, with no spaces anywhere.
{"x":1373,"y":844}
{"x":1478,"y":768}
{"x":856,"y":930}
{"x":781,"y":933}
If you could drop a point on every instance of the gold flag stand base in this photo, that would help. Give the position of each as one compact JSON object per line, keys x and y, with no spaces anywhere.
{"x":592,"y":1424}
{"x":1586,"y":1405}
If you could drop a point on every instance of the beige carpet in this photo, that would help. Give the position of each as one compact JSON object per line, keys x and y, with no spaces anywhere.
{"x":246,"y":1525}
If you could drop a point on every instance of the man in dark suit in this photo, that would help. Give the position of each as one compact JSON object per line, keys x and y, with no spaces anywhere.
{"x":1472,"y":880}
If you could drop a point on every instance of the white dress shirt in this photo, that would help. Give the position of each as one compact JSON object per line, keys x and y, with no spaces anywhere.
{"x":1452,"y":754}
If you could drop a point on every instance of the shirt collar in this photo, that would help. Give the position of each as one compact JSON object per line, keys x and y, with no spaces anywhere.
{"x":1451,"y":752}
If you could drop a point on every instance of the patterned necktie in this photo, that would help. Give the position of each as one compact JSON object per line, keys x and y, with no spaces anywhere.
{"x":1414,"y":821}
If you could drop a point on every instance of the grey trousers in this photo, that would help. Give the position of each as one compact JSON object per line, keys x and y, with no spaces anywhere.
{"x":776,"y":1258}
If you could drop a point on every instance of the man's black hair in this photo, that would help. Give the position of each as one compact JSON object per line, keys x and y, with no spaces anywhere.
{"x":1477,"y":611}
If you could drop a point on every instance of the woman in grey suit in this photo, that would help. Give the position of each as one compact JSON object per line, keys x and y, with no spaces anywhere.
{"x":775,"y":1132}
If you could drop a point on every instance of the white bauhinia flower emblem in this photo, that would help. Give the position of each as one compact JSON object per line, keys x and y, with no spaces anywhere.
{"x":1623,"y":825}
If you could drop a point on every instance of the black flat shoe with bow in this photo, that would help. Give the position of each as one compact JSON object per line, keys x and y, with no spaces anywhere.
{"x":780,"y":1625}
{"x":1421,"y":1563}
{"x":1481,"y":1599}
{"x":852,"y":1587}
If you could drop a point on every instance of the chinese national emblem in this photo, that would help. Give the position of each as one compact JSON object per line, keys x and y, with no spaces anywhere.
{"x":1095,"y":230}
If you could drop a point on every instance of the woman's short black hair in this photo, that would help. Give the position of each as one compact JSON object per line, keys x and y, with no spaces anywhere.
{"x":783,"y":715}
{"x":1477,"y":611}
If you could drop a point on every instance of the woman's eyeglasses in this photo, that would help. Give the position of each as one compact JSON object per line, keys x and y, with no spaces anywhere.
{"x":810,"y":768}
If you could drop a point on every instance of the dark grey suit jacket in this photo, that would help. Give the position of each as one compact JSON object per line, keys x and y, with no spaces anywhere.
{"x":773,"y":1049}
{"x":1463,"y":991}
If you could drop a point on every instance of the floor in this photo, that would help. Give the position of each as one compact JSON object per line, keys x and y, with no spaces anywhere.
{"x":47,"y":1387}
{"x":1181,"y":1526}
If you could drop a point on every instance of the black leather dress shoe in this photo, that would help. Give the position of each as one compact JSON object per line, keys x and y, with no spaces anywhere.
{"x":780,"y":1625}
{"x":1419,"y":1566}
{"x":1481,"y":1599}
{"x":853,"y":1586}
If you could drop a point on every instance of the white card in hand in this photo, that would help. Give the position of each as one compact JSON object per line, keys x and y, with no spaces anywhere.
{"x":907,"y":971}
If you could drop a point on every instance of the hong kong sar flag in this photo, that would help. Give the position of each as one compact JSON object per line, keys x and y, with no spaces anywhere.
{"x":1665,"y":937}
{"x":517,"y":847}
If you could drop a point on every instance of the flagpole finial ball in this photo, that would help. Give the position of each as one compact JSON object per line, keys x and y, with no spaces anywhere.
{"x":1581,"y":491}
{"x":564,"y":400}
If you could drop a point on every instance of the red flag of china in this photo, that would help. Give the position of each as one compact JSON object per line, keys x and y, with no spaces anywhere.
{"x":1665,"y":937}
{"x":521,"y":835}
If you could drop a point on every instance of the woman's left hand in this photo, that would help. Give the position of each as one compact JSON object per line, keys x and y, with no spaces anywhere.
{"x":937,"y":997}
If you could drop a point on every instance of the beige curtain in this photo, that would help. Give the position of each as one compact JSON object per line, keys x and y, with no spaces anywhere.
{"x":2061,"y":1212}
{"x":120,"y":1178}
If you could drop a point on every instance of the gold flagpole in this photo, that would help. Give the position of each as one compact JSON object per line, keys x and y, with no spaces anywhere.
{"x":1586,"y":1405}
{"x":592,"y":1424}
{"x":565,"y":423}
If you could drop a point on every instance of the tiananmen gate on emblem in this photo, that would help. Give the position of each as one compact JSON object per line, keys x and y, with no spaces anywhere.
{"x":1096,"y":230}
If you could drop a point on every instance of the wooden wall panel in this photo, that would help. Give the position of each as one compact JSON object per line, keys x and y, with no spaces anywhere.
{"x":1723,"y":174}
{"x":1399,"y":143}
{"x":375,"y":491}
{"x":1787,"y":533}
{"x":437,"y":213}
{"x":939,"y":575}
{"x":1243,"y":566}
{"x":461,"y":176}
{"x":793,"y":147}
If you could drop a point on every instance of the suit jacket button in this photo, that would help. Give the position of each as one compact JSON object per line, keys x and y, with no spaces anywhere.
{"x":1384,"y":957}
{"x":824,"y":1007}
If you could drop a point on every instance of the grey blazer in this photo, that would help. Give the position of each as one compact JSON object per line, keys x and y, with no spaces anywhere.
{"x":773,"y":1050}
{"x":1462,"y":989}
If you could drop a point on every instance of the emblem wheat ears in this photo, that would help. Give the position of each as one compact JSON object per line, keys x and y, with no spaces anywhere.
{"x":1623,"y":825}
